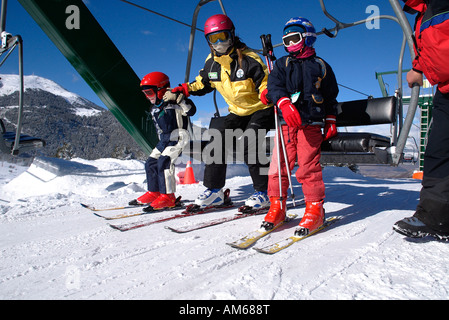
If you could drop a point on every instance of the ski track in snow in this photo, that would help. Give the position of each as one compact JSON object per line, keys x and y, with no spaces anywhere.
{"x":52,"y":248}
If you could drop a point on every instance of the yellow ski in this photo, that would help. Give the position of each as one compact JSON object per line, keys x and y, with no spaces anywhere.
{"x":252,"y":237}
{"x":278,"y":246}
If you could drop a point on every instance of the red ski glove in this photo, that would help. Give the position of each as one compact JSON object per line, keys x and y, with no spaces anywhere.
{"x":183,"y":88}
{"x":264,"y":98}
{"x":290,"y":113}
{"x":330,"y":127}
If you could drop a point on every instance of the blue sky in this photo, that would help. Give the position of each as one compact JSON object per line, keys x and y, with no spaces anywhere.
{"x":152,"y":43}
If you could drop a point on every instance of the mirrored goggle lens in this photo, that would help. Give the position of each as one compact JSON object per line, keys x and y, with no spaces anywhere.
{"x":218,"y":37}
{"x":292,"y":39}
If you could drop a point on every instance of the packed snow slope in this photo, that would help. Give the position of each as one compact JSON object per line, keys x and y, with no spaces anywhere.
{"x":52,"y":248}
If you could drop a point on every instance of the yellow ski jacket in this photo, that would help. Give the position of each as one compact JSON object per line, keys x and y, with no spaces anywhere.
{"x":240,"y":85}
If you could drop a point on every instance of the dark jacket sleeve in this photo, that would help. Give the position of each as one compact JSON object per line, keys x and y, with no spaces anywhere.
{"x":330,"y":91}
{"x":277,"y":82}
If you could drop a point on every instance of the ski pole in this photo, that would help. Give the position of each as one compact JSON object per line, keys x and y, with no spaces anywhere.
{"x":269,"y":57}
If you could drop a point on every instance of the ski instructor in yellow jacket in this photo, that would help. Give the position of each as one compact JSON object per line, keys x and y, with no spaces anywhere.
{"x":240,"y":76}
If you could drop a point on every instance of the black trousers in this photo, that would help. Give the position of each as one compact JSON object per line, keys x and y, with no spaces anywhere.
{"x":433,"y":206}
{"x":215,"y":171}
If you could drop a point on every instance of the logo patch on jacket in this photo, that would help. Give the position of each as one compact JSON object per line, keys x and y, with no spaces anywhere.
{"x":213,"y":75}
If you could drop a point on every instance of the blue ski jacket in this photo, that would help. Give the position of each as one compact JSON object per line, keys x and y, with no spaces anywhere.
{"x":169,"y":117}
{"x":310,"y":83}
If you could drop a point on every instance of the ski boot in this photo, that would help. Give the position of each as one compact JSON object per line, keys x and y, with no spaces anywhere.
{"x":276,"y":213}
{"x":258,"y":200}
{"x":414,"y":228}
{"x":210,"y":197}
{"x":147,"y":198}
{"x":313,"y":218}
{"x":164,"y":201}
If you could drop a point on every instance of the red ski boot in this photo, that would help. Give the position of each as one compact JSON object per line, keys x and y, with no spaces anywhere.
{"x":275,"y":214}
{"x":147,"y":198}
{"x":313,"y":218}
{"x":164,"y":201}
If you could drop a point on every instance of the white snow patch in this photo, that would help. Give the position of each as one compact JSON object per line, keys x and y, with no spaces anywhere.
{"x":52,"y":248}
{"x":10,"y":83}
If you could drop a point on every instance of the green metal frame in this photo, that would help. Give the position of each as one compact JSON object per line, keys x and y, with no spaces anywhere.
{"x":92,"y":53}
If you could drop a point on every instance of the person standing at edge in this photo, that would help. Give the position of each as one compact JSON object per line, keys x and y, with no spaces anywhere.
{"x":240,"y":76}
{"x":432,"y":51}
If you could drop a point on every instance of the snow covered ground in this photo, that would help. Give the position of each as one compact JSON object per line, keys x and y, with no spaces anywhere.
{"x":52,"y":248}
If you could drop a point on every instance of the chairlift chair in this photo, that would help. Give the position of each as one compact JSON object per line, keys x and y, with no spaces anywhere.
{"x":353,"y":147}
{"x":26,"y":142}
{"x":350,"y":148}
{"x":14,"y":142}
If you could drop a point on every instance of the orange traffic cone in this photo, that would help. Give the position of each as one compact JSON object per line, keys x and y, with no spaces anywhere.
{"x":418,"y":175}
{"x":189,"y":176}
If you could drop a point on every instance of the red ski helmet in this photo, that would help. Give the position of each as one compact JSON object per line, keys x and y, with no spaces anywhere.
{"x":155,"y":83}
{"x":217,"y":23}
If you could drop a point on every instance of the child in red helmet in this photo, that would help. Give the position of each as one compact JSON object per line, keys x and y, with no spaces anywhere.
{"x":305,"y":90}
{"x":169,"y":112}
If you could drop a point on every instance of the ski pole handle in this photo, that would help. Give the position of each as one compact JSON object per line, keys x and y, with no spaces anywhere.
{"x":267,"y":46}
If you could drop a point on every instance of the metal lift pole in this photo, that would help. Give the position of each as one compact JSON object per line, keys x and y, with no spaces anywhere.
{"x":10,"y":43}
{"x":403,"y":135}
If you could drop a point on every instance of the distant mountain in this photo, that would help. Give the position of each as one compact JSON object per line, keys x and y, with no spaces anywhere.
{"x":71,"y":125}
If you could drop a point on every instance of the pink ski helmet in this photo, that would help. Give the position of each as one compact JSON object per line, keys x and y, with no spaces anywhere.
{"x":217,"y":23}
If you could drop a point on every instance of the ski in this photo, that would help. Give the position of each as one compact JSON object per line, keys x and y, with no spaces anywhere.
{"x":188,"y":212}
{"x":146,"y":210}
{"x":139,"y":224}
{"x":255,"y":235}
{"x":278,"y":246}
{"x":108,"y":209}
{"x":244,"y":212}
{"x":121,"y":215}
{"x":218,"y":221}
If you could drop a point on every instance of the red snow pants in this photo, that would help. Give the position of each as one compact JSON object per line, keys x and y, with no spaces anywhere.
{"x":304,"y":145}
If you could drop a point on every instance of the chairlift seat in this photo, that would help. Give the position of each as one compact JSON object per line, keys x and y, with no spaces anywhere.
{"x":346,"y":147}
{"x":366,"y":112}
{"x":355,"y":142}
{"x":26,"y":142}
{"x":359,"y":147}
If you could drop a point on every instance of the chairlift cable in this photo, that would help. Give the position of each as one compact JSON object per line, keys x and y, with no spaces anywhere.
{"x":368,"y":95}
{"x":160,"y":14}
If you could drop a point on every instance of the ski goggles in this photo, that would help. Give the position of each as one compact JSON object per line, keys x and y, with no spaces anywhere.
{"x":292,"y":39}
{"x":220,"y":36}
{"x":150,"y":91}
